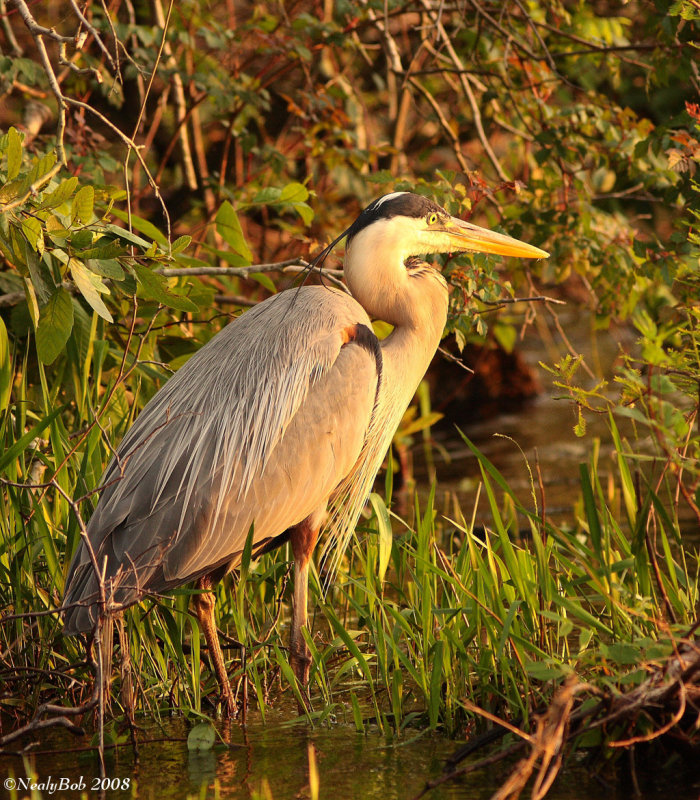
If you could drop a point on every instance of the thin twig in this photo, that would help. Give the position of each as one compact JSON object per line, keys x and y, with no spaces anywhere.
{"x":238,"y":272}
{"x":464,"y":79}
{"x":94,"y":33}
{"x":38,"y":32}
{"x":502,"y":301}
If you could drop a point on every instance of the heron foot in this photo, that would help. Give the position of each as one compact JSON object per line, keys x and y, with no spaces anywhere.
{"x":229,"y":709}
{"x":300,"y":662}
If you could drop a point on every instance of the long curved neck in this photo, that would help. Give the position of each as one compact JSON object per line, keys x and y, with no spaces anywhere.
{"x":380,"y":282}
{"x":414,"y":301}
{"x":410,"y":347}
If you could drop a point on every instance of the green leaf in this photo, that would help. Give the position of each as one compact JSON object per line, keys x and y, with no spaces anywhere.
{"x":574,"y":607}
{"x":60,"y":194}
{"x":80,"y":241}
{"x":180,"y":244}
{"x":506,"y":336}
{"x":384,"y":532}
{"x":90,"y":287}
{"x":55,"y":229}
{"x":594,"y":525}
{"x":349,"y":643}
{"x":622,"y":653}
{"x":435,"y":684}
{"x":131,"y":238}
{"x":268,"y":195}
{"x":264,"y":280}
{"x":5,"y":368}
{"x":142,"y":225}
{"x":357,"y":713}
{"x":22,"y":444}
{"x":31,"y":227}
{"x":42,"y":166}
{"x":294,"y":193}
{"x":229,"y":228}
{"x":83,"y":205}
{"x":32,"y":302}
{"x":305,"y":212}
{"x":289,"y":675}
{"x":108,"y":267}
{"x":201,"y":737}
{"x":14,"y":153}
{"x":104,"y":247}
{"x":42,"y":280}
{"x":14,"y":189}
{"x":545,"y":671}
{"x":55,"y":325}
{"x":153,"y":286}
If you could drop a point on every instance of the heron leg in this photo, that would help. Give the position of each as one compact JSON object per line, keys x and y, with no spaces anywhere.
{"x":204,"y":604}
{"x":303,"y":539}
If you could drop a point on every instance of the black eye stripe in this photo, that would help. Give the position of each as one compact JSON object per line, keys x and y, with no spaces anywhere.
{"x":405,"y":204}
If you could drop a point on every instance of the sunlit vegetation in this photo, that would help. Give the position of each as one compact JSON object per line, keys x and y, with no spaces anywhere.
{"x":164,"y":167}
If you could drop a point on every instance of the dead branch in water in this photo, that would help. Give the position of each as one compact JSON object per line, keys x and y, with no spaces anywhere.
{"x":663,"y":700}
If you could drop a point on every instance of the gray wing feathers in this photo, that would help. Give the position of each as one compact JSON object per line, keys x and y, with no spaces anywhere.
{"x":218,"y":448}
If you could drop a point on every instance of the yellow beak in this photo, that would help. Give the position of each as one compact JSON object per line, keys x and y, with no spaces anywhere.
{"x":473,"y":238}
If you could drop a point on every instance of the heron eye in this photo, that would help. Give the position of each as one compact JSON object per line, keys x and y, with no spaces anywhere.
{"x":432,"y":218}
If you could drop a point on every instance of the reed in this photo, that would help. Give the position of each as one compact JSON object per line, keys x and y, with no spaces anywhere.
{"x":424,"y":621}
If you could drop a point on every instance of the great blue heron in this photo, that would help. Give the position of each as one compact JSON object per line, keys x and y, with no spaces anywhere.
{"x":290,"y":408}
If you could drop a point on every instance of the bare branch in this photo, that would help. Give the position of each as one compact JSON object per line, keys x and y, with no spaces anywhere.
{"x":466,"y":86}
{"x":38,"y":32}
{"x":94,"y":33}
{"x":17,"y":48}
{"x":238,"y":272}
{"x":503,"y":301}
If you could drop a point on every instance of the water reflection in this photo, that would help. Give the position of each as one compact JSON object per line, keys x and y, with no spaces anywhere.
{"x":202,"y":767}
{"x":272,"y":761}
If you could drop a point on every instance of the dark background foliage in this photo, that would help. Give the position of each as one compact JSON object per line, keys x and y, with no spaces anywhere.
{"x":164,"y":166}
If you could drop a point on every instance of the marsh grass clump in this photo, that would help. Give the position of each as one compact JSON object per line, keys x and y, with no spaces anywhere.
{"x":578,"y":635}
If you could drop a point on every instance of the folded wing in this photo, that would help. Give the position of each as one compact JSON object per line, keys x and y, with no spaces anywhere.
{"x":258,"y":428}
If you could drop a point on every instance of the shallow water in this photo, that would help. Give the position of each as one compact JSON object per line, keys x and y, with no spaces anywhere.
{"x":272,"y":761}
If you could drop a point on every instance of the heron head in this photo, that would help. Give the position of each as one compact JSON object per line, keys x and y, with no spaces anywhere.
{"x":412,"y":224}
{"x":380,"y":265}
